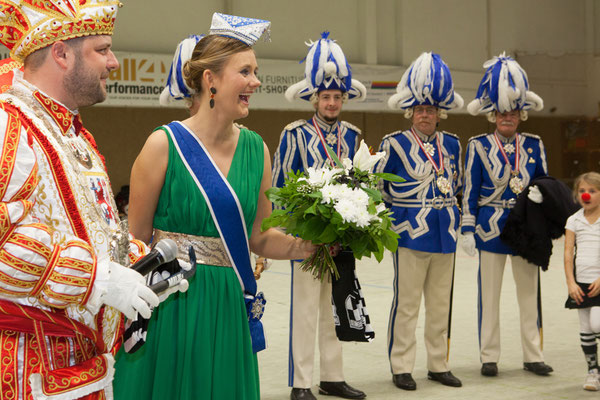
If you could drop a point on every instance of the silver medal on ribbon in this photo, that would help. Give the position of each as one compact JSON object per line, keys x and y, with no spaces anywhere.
{"x":516,"y":184}
{"x":429,"y":149}
{"x":443,"y":184}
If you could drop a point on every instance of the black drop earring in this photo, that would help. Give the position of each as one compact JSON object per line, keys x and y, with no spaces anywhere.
{"x":213,"y":91}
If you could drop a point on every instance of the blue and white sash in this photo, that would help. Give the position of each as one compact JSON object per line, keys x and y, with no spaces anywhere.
{"x":222,"y":203}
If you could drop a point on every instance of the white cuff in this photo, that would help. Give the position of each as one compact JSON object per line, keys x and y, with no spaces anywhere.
{"x":99,"y":287}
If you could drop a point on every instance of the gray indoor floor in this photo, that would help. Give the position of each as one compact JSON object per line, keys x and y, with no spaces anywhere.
{"x":366,"y":365}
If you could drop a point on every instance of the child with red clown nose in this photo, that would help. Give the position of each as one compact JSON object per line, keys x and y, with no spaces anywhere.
{"x":583,"y":230}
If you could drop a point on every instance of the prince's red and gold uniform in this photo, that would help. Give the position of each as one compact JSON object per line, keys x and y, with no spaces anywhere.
{"x":58,"y":223}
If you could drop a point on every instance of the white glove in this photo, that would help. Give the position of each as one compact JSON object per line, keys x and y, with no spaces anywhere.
{"x":186,"y":266}
{"x":467,"y":242}
{"x":126,"y":291}
{"x":535,"y":195}
{"x":182,"y":286}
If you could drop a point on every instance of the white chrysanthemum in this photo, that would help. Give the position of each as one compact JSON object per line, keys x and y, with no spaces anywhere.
{"x":380,"y":208}
{"x":360,"y":198}
{"x":347,"y":210}
{"x":363,"y":218}
{"x":331,"y":193}
{"x":321,"y":176}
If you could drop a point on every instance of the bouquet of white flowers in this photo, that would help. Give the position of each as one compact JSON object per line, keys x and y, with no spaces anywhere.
{"x":332,"y":205}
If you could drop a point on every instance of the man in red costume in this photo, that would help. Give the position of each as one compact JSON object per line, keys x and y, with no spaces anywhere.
{"x":63,"y":251}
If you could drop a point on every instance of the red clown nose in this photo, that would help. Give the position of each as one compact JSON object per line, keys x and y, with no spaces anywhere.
{"x":585,"y":197}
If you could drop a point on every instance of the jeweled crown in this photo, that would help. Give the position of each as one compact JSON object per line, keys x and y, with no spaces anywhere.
{"x":30,"y":25}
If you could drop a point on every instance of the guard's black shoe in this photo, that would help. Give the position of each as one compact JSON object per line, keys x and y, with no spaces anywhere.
{"x":489,"y":369}
{"x":538,"y":368}
{"x":302,"y":394}
{"x":445,"y":378}
{"x":404,"y":381}
{"x":340,"y":389}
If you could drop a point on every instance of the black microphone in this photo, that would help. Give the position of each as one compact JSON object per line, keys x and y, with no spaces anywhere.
{"x":165,"y":251}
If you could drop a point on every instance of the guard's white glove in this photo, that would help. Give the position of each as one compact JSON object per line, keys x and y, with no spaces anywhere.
{"x":126,"y":291}
{"x":535,"y":195}
{"x":467,"y":242}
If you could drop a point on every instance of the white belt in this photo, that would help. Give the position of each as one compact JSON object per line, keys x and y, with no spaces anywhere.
{"x":438,"y":203}
{"x":507,"y":203}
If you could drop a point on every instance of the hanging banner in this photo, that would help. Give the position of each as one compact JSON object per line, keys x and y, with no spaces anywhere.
{"x":140,"y":79}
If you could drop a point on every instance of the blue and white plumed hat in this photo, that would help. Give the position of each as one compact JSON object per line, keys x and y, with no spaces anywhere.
{"x":247,"y":30}
{"x":504,"y":88}
{"x":176,"y":88}
{"x":426,"y":82}
{"x":326,"y":68}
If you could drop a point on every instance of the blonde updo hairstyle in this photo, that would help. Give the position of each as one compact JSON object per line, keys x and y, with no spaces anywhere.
{"x":211,"y":53}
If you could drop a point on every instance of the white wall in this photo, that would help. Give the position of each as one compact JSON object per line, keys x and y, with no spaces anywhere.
{"x":555,"y":40}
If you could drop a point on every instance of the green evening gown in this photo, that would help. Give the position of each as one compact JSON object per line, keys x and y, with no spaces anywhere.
{"x":198,"y":344}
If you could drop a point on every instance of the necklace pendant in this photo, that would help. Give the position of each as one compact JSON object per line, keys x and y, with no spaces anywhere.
{"x":429,"y":149}
{"x":443,"y":184}
{"x":331,"y":139}
{"x":516,"y":184}
{"x":81,"y":154}
{"x":509,"y":148}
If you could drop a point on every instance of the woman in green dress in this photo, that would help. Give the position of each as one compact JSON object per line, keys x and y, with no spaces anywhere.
{"x":198,"y":343}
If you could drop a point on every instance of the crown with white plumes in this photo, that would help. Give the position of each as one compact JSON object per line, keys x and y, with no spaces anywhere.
{"x":176,"y":88}
{"x":504,"y":88}
{"x":326,"y":69}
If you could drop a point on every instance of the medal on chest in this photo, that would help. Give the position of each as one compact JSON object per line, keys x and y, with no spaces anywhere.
{"x":443,"y":184}
{"x":429,"y":149}
{"x":331,"y":139}
{"x":80,"y":152}
{"x":509,"y":148}
{"x":515,"y":183}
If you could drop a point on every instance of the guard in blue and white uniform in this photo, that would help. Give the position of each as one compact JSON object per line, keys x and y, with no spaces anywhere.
{"x":426,"y":217}
{"x":499,"y":165}
{"x":327,"y":85}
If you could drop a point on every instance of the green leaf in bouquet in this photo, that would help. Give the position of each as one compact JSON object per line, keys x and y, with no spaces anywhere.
{"x":312,"y":209}
{"x":389,"y":177}
{"x":379,"y":252}
{"x":373,"y":194}
{"x":324,"y":210}
{"x":371,"y":207}
{"x":334,"y":156}
{"x":390,"y":240}
{"x":329,"y":234}
{"x":272,"y":193}
{"x":277,"y":218}
{"x":358,"y":246}
{"x":336,"y":218}
{"x":312,"y":229}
